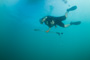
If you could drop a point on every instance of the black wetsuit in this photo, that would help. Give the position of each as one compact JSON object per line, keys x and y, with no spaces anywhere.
{"x":57,"y":21}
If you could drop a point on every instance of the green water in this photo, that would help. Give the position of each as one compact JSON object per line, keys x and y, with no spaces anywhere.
{"x":18,"y":40}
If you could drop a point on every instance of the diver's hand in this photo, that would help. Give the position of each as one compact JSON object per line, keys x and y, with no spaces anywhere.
{"x":47,"y":31}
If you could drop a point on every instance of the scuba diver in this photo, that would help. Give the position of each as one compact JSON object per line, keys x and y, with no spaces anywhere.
{"x":51,"y":21}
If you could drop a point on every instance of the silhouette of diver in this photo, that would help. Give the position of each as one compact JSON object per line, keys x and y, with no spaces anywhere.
{"x":51,"y":21}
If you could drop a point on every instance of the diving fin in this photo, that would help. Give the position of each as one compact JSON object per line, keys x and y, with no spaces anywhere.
{"x":72,"y":8}
{"x":75,"y":23}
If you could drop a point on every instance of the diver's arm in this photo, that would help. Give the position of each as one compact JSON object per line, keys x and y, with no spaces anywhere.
{"x":48,"y":29}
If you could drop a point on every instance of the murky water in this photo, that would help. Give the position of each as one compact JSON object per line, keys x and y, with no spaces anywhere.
{"x":19,"y":41}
